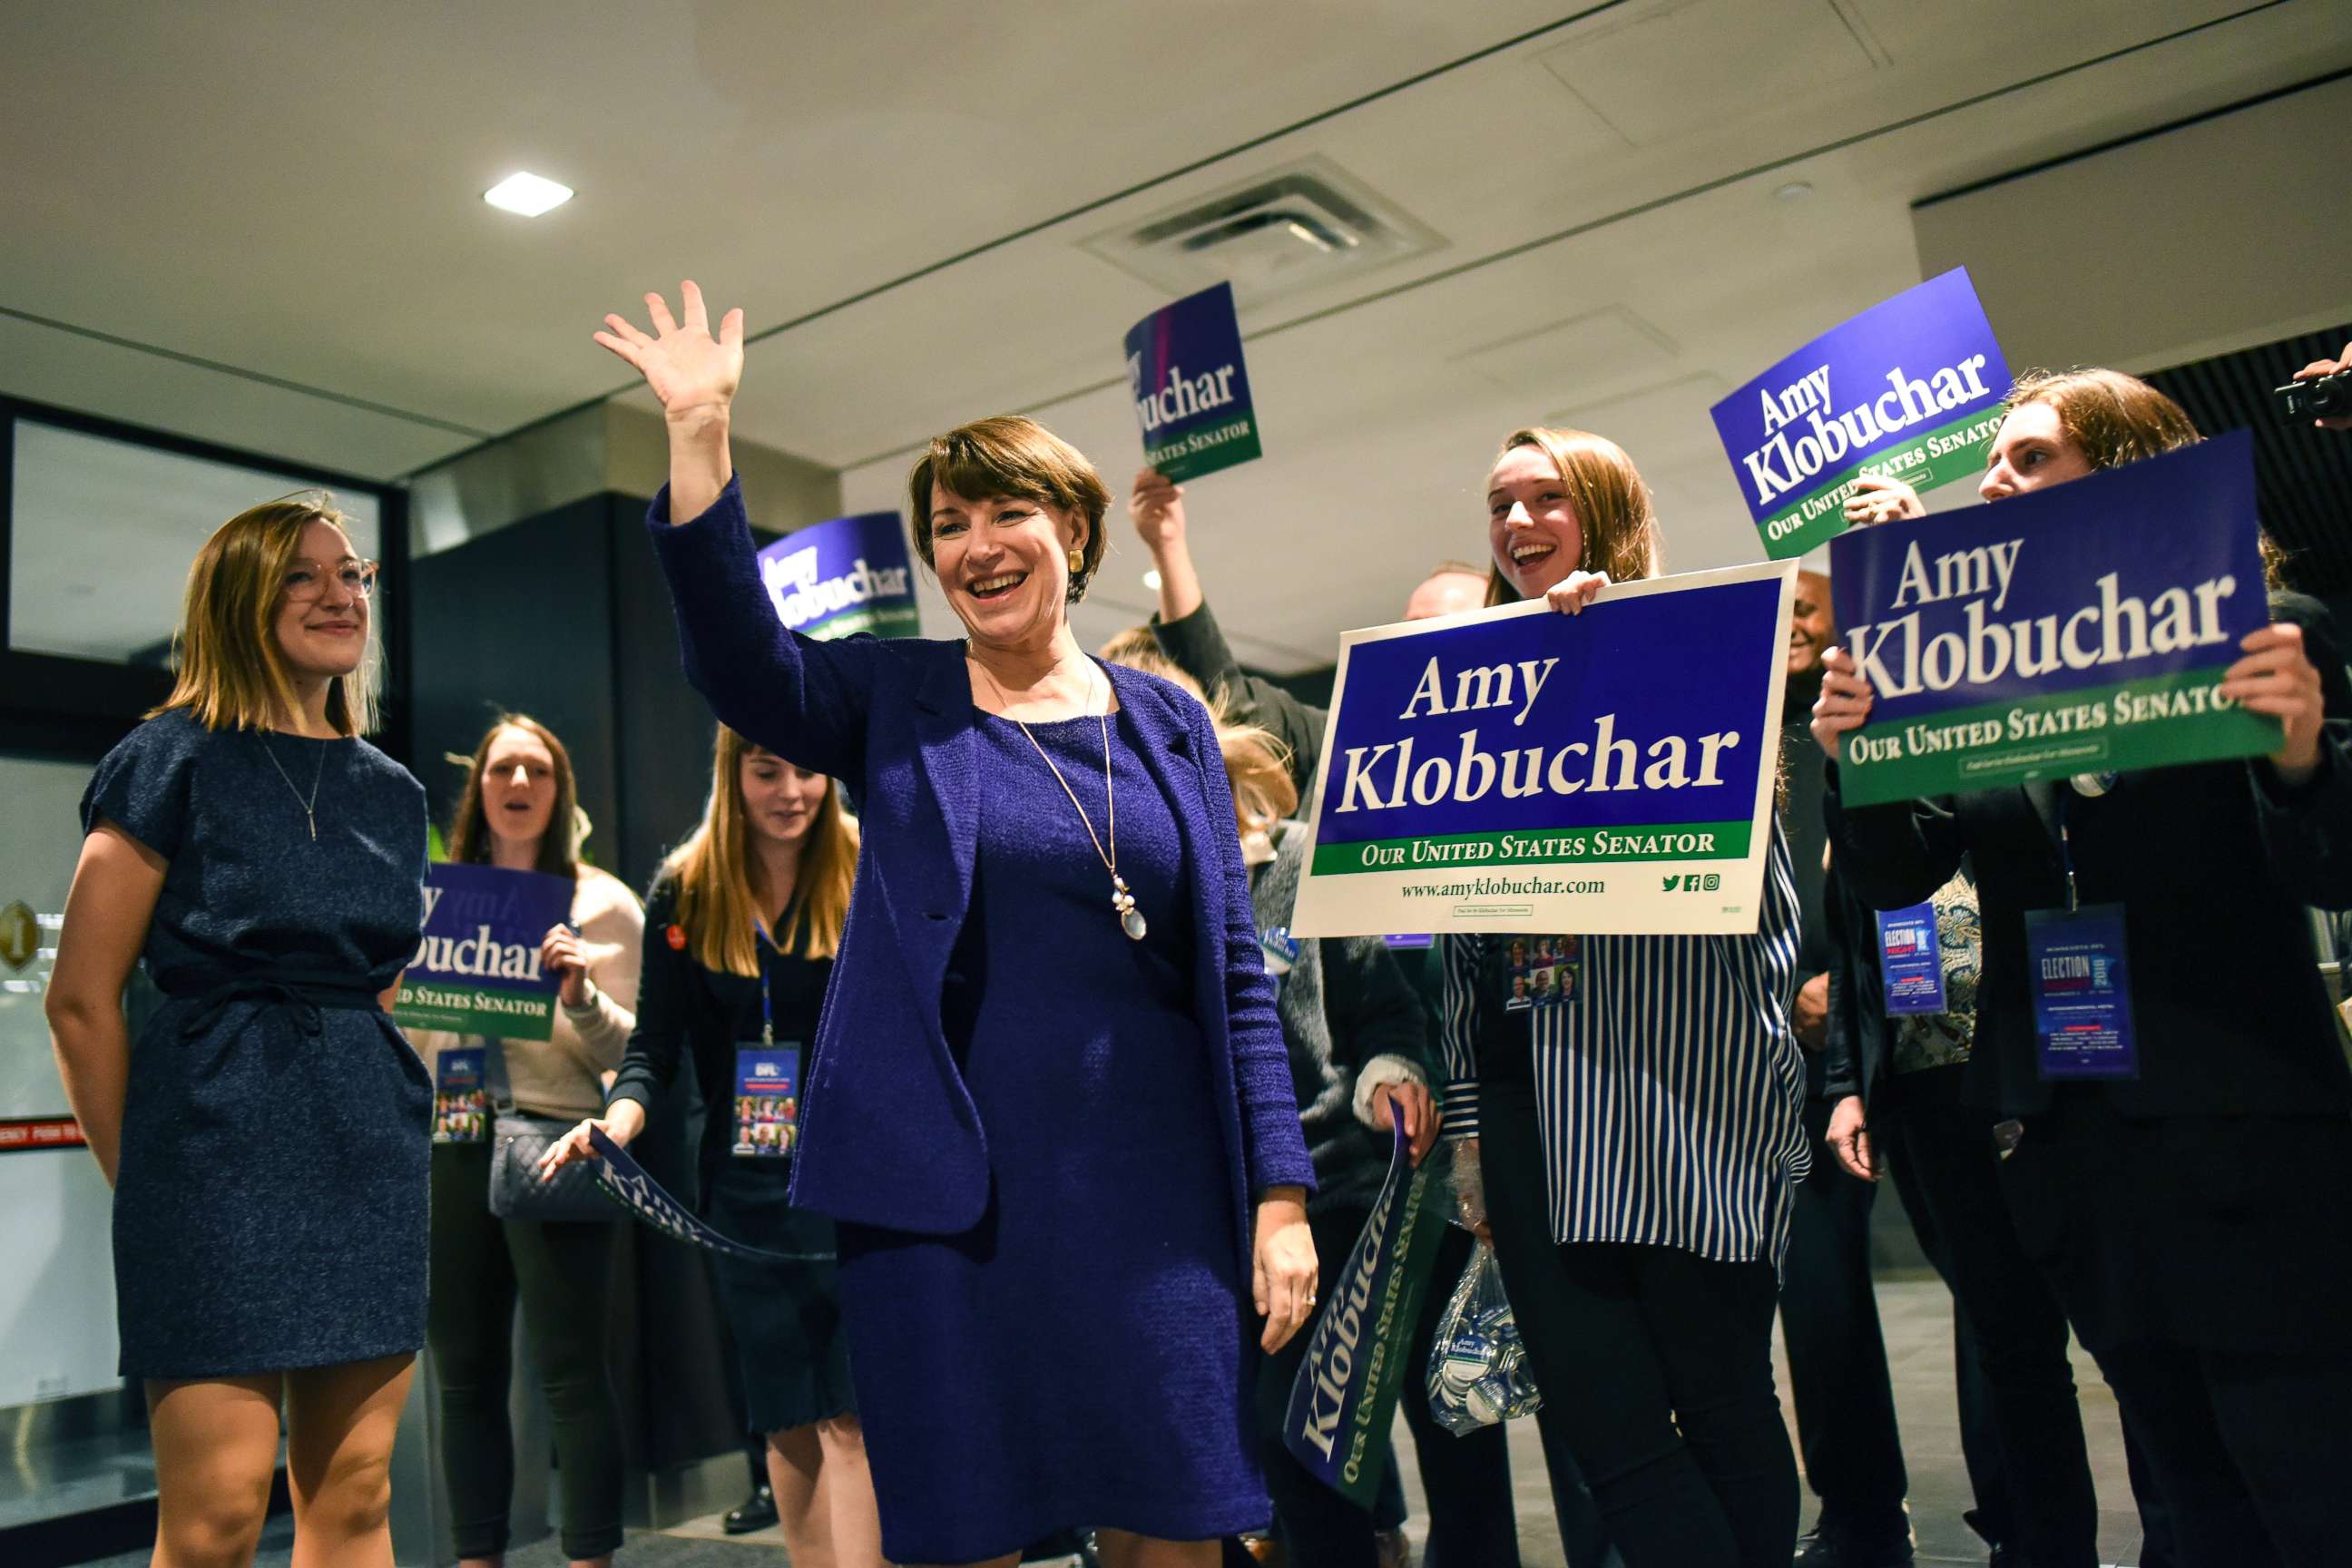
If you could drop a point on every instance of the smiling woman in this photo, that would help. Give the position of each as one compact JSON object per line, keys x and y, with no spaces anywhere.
{"x":1056,"y":1135}
{"x":267,"y":864}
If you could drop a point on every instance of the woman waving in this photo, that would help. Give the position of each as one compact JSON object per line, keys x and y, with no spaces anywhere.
{"x":1048,"y":1102}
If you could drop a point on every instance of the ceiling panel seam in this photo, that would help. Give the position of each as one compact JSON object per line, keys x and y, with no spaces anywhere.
{"x":1096,"y":204}
{"x":1641,"y":209}
{"x":243,"y":374}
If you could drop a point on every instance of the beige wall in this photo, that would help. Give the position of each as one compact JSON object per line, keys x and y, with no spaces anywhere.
{"x":2217,"y":236}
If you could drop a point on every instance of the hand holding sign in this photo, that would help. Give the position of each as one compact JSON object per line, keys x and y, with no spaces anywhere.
{"x":2277,"y":678}
{"x":560,"y":954}
{"x":1880,"y":497}
{"x":1844,"y":704}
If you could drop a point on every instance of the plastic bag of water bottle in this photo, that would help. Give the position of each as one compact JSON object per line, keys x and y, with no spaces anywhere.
{"x":1478,"y":1372}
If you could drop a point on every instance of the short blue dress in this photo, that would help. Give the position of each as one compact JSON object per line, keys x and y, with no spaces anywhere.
{"x":269,"y":1209}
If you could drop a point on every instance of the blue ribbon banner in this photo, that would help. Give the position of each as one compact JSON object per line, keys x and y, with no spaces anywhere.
{"x":1191,"y":390}
{"x":1518,"y":770}
{"x":838,"y":579}
{"x":627,"y":1183}
{"x":2079,"y":628}
{"x":1346,"y":1392}
{"x":1911,"y":387}
{"x":477,"y":969}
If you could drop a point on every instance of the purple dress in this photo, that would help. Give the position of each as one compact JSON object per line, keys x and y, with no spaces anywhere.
{"x":1075,"y":1360}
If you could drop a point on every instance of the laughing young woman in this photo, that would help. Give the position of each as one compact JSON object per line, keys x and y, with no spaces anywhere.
{"x":1641,"y":1129}
{"x":1049,"y":1102}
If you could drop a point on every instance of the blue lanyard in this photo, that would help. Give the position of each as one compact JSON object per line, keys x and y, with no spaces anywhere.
{"x":761,"y":945}
{"x":2066,"y":847}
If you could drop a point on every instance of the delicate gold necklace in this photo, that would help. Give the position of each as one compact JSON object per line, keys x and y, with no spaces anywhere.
{"x":1122,"y":903}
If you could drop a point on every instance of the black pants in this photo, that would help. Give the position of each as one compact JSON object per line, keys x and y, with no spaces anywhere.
{"x":1658,"y":1365}
{"x":1940,"y":1153}
{"x":2205,"y":1262}
{"x":1837,"y":1354}
{"x":561,"y":1271}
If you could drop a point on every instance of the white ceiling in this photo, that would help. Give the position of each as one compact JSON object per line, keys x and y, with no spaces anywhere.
{"x":899,"y":196}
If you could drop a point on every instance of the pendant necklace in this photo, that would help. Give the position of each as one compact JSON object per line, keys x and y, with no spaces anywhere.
{"x":310,"y":806}
{"x":1122,"y":903}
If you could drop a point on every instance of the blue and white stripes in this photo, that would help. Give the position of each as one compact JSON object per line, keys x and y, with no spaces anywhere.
{"x":1669,"y":1090}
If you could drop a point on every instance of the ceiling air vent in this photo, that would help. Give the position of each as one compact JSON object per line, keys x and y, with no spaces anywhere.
{"x":1297,"y":229}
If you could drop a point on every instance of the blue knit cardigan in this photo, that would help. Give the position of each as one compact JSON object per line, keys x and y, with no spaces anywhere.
{"x":888,"y":1132}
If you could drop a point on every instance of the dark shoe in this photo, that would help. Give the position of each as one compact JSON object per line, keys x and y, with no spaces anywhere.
{"x":758,"y":1512}
{"x":2007,"y":1557}
{"x":1834,"y":1545}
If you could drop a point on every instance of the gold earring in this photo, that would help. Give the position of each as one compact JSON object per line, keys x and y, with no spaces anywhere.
{"x":1077,"y":562}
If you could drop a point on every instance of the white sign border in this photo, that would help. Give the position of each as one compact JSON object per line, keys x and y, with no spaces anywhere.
{"x":1623,"y":908}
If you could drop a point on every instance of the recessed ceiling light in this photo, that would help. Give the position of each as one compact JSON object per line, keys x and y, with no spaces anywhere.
{"x":1151,"y":580}
{"x":1794,"y":190}
{"x":526,"y":194}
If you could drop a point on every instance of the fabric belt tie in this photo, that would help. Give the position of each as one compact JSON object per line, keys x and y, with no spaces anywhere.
{"x":303,"y":993}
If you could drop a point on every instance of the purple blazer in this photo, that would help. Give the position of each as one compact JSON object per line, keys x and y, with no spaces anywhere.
{"x":888,"y":1132}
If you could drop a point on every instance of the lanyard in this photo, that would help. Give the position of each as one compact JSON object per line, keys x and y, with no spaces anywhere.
{"x":2066,"y":849}
{"x":762,"y":942}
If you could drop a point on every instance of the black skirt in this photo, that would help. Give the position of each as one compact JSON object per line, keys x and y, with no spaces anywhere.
{"x":2222,"y":1232}
{"x":785,"y":1316}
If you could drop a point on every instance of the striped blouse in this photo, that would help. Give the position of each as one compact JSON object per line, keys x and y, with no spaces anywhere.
{"x":1669,"y":1089}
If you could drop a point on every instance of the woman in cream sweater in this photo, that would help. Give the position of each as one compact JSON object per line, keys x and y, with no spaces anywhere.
{"x":517,"y":812}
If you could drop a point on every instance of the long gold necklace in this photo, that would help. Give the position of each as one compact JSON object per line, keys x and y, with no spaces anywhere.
{"x":1122,"y":903}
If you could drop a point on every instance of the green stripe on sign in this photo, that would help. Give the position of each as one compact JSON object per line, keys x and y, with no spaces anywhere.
{"x":889,"y":621}
{"x":467,"y":1009}
{"x":1594,"y":845}
{"x":1206,"y":451}
{"x":2159,"y":721}
{"x":1933,"y":457}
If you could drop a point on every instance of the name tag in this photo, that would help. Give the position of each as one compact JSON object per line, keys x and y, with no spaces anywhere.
{"x":1408,"y":942}
{"x":2082,"y":994}
{"x":1280,"y":949}
{"x":767,"y":1100}
{"x":461,"y":1104}
{"x":1911,"y":960}
{"x":1541,"y":971}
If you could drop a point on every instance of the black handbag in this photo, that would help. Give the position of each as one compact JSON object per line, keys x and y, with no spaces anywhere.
{"x":518,"y":1143}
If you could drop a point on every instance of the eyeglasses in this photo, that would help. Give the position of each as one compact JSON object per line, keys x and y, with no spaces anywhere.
{"x":306,"y":580}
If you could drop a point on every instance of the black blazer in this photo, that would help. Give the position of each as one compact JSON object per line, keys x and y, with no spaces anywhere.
{"x":2214,"y":864}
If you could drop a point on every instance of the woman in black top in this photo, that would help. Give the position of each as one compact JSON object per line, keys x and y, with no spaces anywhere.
{"x":741,"y":926}
{"x":2192,"y":1217}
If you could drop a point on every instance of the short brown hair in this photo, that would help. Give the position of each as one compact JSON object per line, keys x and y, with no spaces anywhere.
{"x":1007,"y":455}
{"x":232,"y":673}
{"x":1614,"y":511}
{"x":2115,"y":419}
{"x":470,"y":835}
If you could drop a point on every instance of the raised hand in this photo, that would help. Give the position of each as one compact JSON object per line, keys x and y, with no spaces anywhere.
{"x":1844,"y":704}
{"x":1881,"y":497}
{"x":1156,"y":506}
{"x":693,"y":374}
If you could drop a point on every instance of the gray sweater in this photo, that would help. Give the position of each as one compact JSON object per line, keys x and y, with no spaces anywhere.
{"x":1352,"y":1024}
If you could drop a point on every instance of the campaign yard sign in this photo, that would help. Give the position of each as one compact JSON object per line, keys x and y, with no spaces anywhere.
{"x":1359,"y":1350}
{"x":2079,"y":628}
{"x":836,"y":579}
{"x":477,"y":969}
{"x":1519,"y":769}
{"x":1191,"y":391}
{"x":1911,"y":387}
